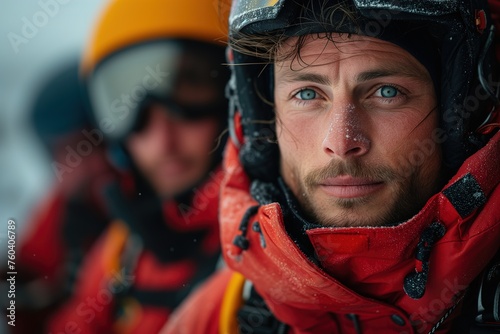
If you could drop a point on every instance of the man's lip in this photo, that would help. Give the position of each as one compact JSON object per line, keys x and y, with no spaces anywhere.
{"x":350,"y":187}
{"x":348,"y":181}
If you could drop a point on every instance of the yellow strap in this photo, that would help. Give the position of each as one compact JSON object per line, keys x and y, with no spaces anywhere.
{"x":231,"y":303}
{"x":116,"y":239}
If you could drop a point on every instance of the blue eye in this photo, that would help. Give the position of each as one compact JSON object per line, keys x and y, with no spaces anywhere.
{"x":388,"y":91}
{"x":306,"y":94}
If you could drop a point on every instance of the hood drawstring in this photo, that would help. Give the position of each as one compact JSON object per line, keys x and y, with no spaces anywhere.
{"x":414,"y":283}
{"x":264,"y":193}
{"x":241,"y":241}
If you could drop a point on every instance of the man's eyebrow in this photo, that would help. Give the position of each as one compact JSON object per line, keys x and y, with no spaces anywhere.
{"x":386,"y":71}
{"x":312,"y":77}
{"x":399,"y":71}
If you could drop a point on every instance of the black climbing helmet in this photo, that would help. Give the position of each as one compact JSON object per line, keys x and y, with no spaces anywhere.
{"x":453,"y":39}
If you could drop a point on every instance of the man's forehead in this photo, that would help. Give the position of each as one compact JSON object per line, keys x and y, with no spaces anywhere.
{"x":341,"y":40}
{"x":376,"y":58}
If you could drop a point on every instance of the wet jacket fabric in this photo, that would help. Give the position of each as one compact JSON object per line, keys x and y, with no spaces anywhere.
{"x":68,"y":219}
{"x":145,"y":263}
{"x":61,"y":230}
{"x":399,"y":279}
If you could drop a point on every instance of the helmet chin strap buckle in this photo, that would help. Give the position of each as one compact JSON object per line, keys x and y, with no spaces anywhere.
{"x":480,"y":20}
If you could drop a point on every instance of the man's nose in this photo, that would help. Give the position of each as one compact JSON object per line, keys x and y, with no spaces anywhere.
{"x":163,"y":127}
{"x":345,"y":135}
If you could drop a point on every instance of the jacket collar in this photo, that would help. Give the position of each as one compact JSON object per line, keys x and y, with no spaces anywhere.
{"x":366,"y":269}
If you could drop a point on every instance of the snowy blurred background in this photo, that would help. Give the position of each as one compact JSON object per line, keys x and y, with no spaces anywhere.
{"x":37,"y":38}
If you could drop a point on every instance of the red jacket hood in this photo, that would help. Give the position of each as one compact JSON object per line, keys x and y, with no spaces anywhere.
{"x":363,"y":269}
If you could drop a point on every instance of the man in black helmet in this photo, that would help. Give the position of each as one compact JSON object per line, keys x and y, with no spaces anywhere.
{"x":362,"y":171}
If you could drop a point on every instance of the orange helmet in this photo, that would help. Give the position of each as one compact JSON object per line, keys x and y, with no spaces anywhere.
{"x":140,"y":51}
{"x":127,"y":22}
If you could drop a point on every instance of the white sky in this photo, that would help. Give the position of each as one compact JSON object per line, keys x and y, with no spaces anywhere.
{"x":63,"y":29}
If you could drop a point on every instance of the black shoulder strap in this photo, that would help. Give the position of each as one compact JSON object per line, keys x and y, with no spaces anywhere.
{"x":481,"y":307}
{"x":255,"y":317}
{"x":144,"y":216}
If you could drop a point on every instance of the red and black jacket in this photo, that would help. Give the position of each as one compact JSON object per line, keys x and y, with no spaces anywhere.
{"x":146,"y":262}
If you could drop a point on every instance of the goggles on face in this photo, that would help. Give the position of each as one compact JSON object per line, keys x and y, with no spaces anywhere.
{"x":186,"y":77}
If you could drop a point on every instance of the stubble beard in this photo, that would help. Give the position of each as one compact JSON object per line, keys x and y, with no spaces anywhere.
{"x":408,"y":197}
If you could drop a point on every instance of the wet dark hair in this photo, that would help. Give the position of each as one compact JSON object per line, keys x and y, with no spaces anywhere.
{"x":313,"y":16}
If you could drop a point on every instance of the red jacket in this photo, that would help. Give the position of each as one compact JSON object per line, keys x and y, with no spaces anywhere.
{"x":361,"y":270}
{"x":61,"y":229}
{"x":44,"y":246}
{"x":125,"y":287}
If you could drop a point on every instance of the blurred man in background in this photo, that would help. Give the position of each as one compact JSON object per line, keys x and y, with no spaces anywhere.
{"x":156,"y":89}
